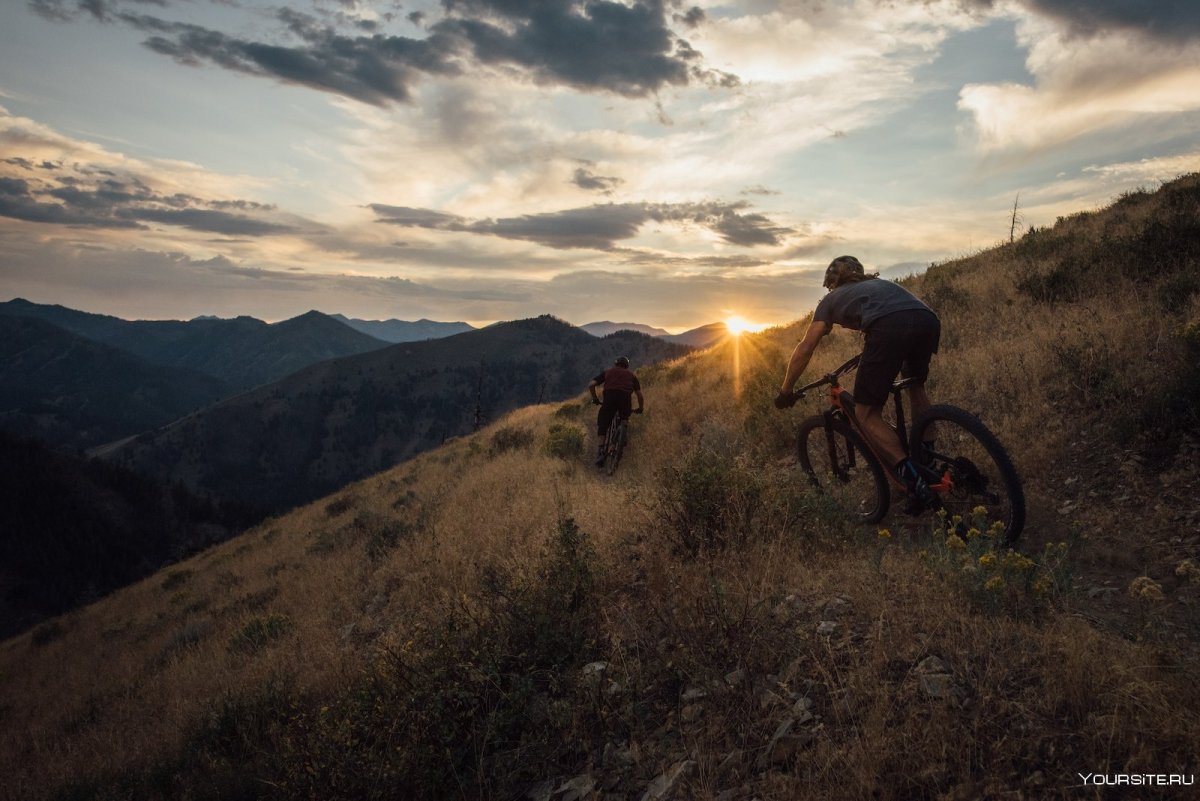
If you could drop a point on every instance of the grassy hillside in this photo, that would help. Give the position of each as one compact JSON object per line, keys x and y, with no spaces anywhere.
{"x":493,"y":620}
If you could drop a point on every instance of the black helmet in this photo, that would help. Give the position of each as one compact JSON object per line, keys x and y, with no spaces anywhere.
{"x":622,"y":361}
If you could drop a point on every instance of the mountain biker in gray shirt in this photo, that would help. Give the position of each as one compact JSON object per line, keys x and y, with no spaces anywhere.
{"x":902,"y":333}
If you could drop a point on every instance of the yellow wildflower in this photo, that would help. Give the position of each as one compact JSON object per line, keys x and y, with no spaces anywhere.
{"x":994,"y":584}
{"x":955,"y":543}
{"x":972,"y":533}
{"x":987,"y":560}
{"x":1042,"y":585}
{"x":979,"y":511}
{"x":956,"y":519}
{"x":941,"y":513}
{"x":1146,"y":588}
{"x":885,"y":534}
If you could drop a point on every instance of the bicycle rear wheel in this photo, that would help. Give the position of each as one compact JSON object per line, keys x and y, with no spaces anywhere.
{"x":843,"y":468}
{"x":618,"y":435}
{"x":978,"y":469}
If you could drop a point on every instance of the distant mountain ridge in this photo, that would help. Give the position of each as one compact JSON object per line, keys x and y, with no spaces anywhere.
{"x":701,"y":337}
{"x":605,"y":327}
{"x":343,"y":419}
{"x":243,"y":352}
{"x":396,"y":331}
{"x":69,"y":390}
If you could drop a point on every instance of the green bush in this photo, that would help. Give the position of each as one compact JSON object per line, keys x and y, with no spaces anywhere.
{"x":564,"y":441}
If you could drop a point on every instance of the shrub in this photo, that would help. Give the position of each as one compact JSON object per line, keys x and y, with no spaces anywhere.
{"x":564,"y":441}
{"x":717,"y":496}
{"x":568,"y":410}
{"x":339,"y":505}
{"x":46,"y":633}
{"x":259,"y":633}
{"x":509,"y":438}
{"x":175,"y":579}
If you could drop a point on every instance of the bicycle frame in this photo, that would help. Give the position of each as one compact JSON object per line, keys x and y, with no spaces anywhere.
{"x":842,"y":404}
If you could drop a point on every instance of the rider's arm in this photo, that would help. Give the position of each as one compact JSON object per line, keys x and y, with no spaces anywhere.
{"x":592,"y":389}
{"x":803,"y":352}
{"x":641,"y":400}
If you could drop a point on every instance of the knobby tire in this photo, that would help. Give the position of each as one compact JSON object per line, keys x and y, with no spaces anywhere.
{"x":852,"y":476}
{"x":1002,"y":495}
{"x":617,"y":436}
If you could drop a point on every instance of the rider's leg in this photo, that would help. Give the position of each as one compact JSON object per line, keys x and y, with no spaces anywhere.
{"x":882,"y":436}
{"x":887,"y":445}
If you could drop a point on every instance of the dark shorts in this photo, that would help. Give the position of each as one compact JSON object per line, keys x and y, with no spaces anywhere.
{"x":614,"y":401}
{"x":900,"y":343}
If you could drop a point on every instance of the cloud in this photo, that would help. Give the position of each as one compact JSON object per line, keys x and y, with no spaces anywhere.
{"x":79,"y":199}
{"x":627,"y":49}
{"x":586,"y":179}
{"x":599,"y":227}
{"x":46,"y":177}
{"x":1170,"y":20}
{"x":1118,"y":76}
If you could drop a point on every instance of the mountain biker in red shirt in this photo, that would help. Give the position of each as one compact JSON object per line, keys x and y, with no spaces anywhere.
{"x":902,"y":333}
{"x":620,"y":385}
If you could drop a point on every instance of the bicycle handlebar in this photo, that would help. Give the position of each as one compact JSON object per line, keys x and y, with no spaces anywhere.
{"x":828,"y":378}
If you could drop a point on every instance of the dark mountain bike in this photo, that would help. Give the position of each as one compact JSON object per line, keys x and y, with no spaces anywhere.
{"x":616,"y":440}
{"x":967,"y":466}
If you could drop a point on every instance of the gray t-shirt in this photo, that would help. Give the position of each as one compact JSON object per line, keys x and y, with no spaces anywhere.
{"x":859,"y":304}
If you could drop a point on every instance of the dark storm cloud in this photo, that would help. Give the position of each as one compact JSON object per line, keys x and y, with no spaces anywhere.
{"x":597,"y":45}
{"x":592,"y":45}
{"x":1171,"y":20}
{"x":599,"y":227}
{"x":113,"y":203}
{"x":586,"y":179}
{"x":373,"y":69}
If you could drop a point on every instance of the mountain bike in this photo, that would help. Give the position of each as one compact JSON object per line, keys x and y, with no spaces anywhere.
{"x":965,"y":464}
{"x":616,"y":440}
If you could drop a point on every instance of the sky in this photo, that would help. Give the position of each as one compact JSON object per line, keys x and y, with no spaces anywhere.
{"x":630,"y":160}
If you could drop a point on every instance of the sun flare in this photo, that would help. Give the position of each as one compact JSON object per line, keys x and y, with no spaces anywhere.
{"x":738,"y":325}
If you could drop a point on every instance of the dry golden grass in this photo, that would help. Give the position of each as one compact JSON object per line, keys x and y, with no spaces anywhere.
{"x":322,"y":597}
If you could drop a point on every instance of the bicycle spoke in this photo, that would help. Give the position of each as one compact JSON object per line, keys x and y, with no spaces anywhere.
{"x":971,"y":470}
{"x":838,"y":469}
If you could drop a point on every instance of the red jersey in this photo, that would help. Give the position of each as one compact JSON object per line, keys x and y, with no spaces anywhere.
{"x":619,"y":379}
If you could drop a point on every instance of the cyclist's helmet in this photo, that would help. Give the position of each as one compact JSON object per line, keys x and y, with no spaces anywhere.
{"x":840,"y":269}
{"x":622,"y":361}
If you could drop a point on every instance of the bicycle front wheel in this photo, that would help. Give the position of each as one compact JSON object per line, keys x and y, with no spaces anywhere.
{"x":843,"y":468}
{"x":969,"y":468}
{"x":618,"y":436}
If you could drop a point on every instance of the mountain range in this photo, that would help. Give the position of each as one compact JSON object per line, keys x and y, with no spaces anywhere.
{"x":242,"y":353}
{"x":396,"y":331}
{"x":333,"y":422}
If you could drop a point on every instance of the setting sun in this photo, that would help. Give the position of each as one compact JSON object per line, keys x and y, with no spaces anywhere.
{"x":738,"y":326}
